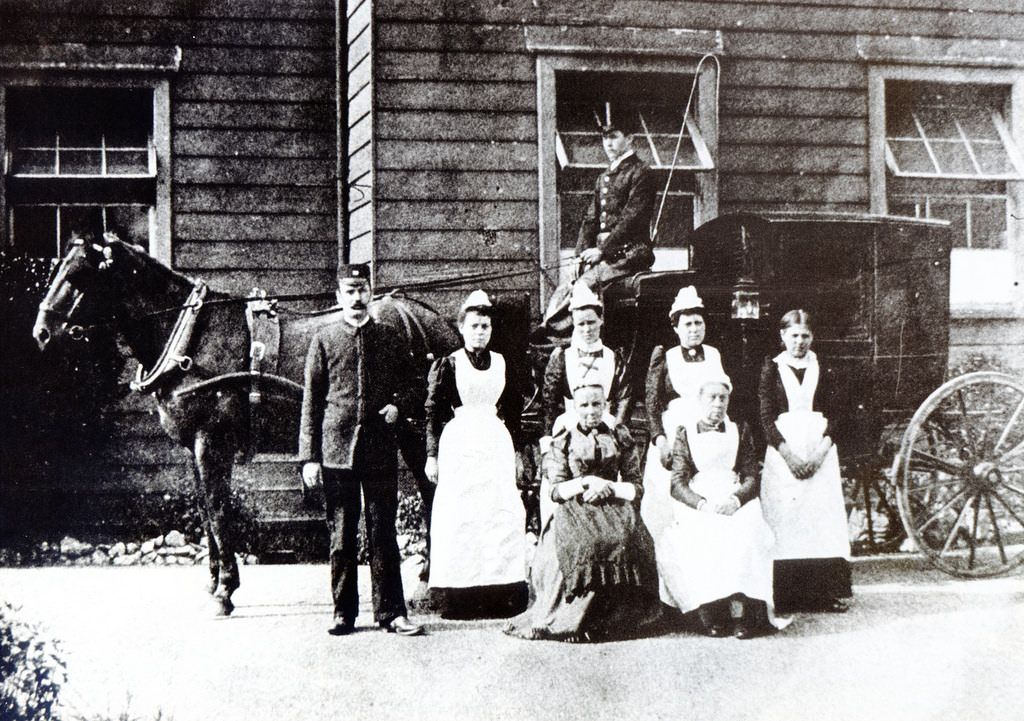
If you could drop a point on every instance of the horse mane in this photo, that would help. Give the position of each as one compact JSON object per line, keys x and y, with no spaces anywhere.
{"x":143,"y":260}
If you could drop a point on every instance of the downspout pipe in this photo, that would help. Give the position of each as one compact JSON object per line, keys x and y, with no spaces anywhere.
{"x":341,"y":115}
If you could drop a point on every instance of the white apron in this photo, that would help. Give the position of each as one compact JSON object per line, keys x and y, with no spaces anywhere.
{"x":591,"y":371}
{"x":685,"y":378}
{"x":708,"y":556}
{"x":477,"y":525}
{"x":807,"y":517}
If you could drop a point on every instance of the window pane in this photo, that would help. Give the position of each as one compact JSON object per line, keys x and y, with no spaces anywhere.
{"x":955,"y":211}
{"x":666,"y":145}
{"x":901,"y":125}
{"x":584,"y":149}
{"x":662,"y":119}
{"x":907,"y":208}
{"x":993,"y":159}
{"x":911,"y":156}
{"x":574,"y":208}
{"x":953,"y":158}
{"x":580,"y":117}
{"x":130,"y":222}
{"x":977,"y":125}
{"x":35,"y":231}
{"x":33,"y":162}
{"x":676,"y":221}
{"x":955,"y":118}
{"x":81,"y":162}
{"x":988,"y":222}
{"x":937,"y":123}
{"x":122,"y":162}
{"x":81,"y":219}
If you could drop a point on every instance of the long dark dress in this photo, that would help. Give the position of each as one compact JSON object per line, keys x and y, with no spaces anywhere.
{"x":477,"y":553}
{"x":593,"y":574}
{"x":807,"y":517}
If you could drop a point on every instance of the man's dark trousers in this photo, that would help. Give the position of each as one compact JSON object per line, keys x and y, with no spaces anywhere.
{"x":342,"y":493}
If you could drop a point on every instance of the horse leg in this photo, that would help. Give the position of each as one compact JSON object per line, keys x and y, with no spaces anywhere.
{"x":214,"y":459}
{"x":213,"y":559}
{"x":414,"y":452}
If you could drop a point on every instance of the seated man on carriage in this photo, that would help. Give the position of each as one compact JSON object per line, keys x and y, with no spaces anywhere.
{"x":615,"y":235}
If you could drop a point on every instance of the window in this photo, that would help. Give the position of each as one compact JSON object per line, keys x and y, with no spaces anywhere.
{"x":945,"y":136}
{"x":594,"y":70}
{"x":85,"y":145}
{"x":650,"y":108}
{"x":949,"y":153}
{"x":78,"y":160}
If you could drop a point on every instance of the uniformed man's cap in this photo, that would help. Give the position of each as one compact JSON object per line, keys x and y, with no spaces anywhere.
{"x":348,"y":271}
{"x":622,"y":121}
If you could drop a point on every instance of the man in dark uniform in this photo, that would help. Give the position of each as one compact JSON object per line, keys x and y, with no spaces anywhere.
{"x":357,"y":385}
{"x":615,"y":236}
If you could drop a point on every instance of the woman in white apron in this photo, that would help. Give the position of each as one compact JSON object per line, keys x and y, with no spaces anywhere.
{"x":586,"y":361}
{"x":716,"y":555}
{"x":673,"y":380}
{"x":801,"y":487}
{"x":477,"y":530}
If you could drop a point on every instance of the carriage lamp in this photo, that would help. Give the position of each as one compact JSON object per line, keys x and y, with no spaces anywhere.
{"x":746,"y":304}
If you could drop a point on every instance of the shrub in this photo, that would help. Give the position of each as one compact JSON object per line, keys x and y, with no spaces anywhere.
{"x":31,"y":669}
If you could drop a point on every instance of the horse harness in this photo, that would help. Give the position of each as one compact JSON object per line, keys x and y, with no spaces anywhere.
{"x":265,"y":341}
{"x":173,"y":357}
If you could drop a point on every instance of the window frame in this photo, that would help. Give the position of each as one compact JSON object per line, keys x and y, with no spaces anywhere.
{"x":1013,"y":77}
{"x":705,"y":112}
{"x":160,"y":226}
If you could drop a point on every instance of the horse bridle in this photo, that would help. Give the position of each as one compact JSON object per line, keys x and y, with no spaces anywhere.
{"x":75,"y":332}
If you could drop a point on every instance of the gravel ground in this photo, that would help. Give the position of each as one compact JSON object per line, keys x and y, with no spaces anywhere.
{"x":916,"y":645}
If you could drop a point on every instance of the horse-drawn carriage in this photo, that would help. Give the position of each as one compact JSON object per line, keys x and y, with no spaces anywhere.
{"x":879,"y":289}
{"x":877,"y":285}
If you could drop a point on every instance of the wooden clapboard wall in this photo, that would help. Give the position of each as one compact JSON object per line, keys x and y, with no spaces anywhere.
{"x":253,"y":191}
{"x":456,"y":111}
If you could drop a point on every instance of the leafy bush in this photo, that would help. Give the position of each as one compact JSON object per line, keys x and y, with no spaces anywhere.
{"x":50,"y":404}
{"x":31,"y":669}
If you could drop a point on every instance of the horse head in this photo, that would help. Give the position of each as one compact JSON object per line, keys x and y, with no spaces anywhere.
{"x":82,"y":274}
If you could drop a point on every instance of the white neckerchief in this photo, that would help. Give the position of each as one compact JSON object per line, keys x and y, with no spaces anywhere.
{"x":809,"y":359}
{"x":799,"y":394}
{"x":600,"y":370}
{"x":618,"y":161}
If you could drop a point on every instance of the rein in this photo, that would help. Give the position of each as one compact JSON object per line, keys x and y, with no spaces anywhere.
{"x":80,"y":331}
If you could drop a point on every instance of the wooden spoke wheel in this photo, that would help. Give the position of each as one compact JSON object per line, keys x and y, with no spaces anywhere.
{"x":960,"y":473}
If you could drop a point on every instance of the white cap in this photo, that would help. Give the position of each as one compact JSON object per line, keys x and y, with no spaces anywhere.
{"x":717,"y":379}
{"x":584,"y":297}
{"x":686,"y":299}
{"x":476,"y":299}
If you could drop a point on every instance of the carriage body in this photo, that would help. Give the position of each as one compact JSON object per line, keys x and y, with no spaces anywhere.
{"x":877,"y":286}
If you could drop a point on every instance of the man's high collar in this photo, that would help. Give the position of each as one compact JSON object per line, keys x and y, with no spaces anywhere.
{"x":353,"y":327}
{"x":618,"y":161}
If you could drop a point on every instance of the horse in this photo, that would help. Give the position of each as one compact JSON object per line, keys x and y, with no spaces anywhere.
{"x":196,"y":354}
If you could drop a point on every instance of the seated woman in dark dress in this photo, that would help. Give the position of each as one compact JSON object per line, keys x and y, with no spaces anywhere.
{"x":593,"y":575}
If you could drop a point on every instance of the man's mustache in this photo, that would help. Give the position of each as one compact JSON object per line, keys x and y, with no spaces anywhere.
{"x":359,"y":305}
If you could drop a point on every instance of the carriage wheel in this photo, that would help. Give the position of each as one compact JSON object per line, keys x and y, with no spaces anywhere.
{"x":960,"y":472}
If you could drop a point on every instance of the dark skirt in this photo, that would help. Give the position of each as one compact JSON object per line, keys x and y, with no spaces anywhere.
{"x":501,"y":601}
{"x":809,"y":584}
{"x":596,"y":582}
